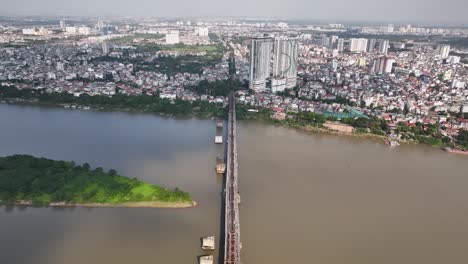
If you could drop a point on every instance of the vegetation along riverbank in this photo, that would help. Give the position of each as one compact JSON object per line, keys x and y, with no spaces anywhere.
{"x":31,"y":181}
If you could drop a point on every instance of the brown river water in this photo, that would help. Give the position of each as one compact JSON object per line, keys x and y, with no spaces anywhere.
{"x":306,"y":198}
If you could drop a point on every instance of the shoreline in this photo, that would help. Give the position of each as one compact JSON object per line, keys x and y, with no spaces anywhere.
{"x":308,"y":129}
{"x":150,"y":204}
{"x":21,"y":102}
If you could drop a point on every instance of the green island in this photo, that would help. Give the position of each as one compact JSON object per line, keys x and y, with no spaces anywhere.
{"x":27,"y":180}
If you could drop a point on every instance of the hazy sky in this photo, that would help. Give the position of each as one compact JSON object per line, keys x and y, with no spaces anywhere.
{"x":450,"y":11}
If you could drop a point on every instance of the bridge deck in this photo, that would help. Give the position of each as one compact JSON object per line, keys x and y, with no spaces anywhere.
{"x":231,"y":203}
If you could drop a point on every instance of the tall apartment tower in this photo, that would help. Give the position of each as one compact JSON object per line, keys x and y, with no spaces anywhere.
{"x":105,"y":47}
{"x":325,"y":41}
{"x":260,"y":62}
{"x":340,"y":45}
{"x":383,"y":46}
{"x":444,"y":51}
{"x":381,"y":65}
{"x":63,"y":25}
{"x":371,"y":46}
{"x":333,"y":42}
{"x":284,"y":64}
{"x":358,"y":45}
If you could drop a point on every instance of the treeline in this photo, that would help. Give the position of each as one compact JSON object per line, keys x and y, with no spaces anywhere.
{"x":423,"y":133}
{"x":463,"y":139}
{"x":42,"y":181}
{"x":372,"y":125}
{"x":142,"y":103}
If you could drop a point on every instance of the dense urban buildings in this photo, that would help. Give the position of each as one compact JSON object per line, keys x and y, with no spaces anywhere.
{"x":390,"y":72}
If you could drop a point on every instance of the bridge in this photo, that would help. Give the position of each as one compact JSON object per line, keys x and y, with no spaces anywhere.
{"x":231,"y":199}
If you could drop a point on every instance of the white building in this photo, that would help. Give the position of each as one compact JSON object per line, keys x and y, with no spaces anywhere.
{"x":381,"y":65}
{"x":388,"y":65}
{"x":71,"y":30}
{"x":63,"y":25}
{"x":29,"y":31}
{"x":383,"y":46}
{"x":84,"y":31}
{"x":358,"y":45}
{"x":453,"y":59}
{"x":371,"y":47}
{"x":260,"y":57}
{"x":340,"y":45}
{"x":202,"y":32}
{"x":172,"y":37}
{"x":457,"y":84}
{"x":444,"y":51}
{"x":284,"y":64}
{"x":105,"y":48}
{"x":325,"y":41}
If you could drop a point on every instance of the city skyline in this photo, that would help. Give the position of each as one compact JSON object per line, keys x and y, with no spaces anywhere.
{"x":449,"y":12}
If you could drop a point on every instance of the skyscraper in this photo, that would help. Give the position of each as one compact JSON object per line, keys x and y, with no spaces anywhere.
{"x":358,"y":45}
{"x":444,"y":51}
{"x":371,"y":47}
{"x":105,"y":48}
{"x":62,"y":25}
{"x":100,"y":24}
{"x":260,"y":61}
{"x":332,"y":42}
{"x":381,"y":65}
{"x":325,"y":41}
{"x":388,"y":65}
{"x":284,"y":64}
{"x":340,"y":45}
{"x":383,"y":46}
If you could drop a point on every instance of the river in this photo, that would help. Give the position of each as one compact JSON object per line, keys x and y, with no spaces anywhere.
{"x":306,"y":198}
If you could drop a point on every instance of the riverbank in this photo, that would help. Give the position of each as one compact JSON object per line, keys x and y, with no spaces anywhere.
{"x":149,"y":204}
{"x":209,"y":110}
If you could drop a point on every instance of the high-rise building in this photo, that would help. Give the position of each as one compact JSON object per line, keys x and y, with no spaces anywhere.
{"x":371,"y":47}
{"x":325,"y":41}
{"x":340,"y":45}
{"x":453,"y":59}
{"x":444,"y":51}
{"x":63,"y":25}
{"x":388,"y":65}
{"x":172,"y":37}
{"x":260,"y":62}
{"x":100,"y":24}
{"x":383,"y":46}
{"x":105,"y":48}
{"x":358,"y":45}
{"x":284,"y":64}
{"x":332,"y":42}
{"x":381,"y":65}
